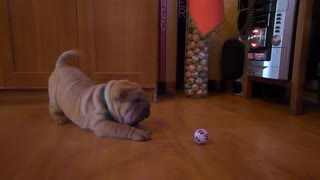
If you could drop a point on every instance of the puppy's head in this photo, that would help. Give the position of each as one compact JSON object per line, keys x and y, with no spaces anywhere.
{"x":129,"y":104}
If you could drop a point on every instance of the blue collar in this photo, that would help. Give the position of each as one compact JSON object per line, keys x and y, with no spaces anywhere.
{"x":107,"y":114}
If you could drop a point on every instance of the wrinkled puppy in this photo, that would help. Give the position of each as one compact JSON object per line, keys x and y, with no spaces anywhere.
{"x":113,"y":109}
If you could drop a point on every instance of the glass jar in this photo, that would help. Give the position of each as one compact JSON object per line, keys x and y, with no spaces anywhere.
{"x":196,"y":62}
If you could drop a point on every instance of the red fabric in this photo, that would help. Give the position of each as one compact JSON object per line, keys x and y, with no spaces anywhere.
{"x":207,"y":14}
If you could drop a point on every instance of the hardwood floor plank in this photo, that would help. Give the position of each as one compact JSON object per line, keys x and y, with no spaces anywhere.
{"x":248,"y":139}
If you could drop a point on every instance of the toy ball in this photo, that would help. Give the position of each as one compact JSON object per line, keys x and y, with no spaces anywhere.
{"x":201,"y":136}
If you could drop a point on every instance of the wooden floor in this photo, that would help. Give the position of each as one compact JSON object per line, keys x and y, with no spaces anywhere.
{"x":248,"y":139}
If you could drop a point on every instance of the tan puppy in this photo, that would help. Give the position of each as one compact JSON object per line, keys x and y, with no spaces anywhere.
{"x":109,"y":110}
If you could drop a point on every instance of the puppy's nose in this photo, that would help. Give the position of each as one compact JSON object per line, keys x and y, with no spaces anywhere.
{"x":146,"y":112}
{"x":147,"y":105}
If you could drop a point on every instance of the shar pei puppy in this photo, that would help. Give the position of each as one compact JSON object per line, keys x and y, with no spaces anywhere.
{"x":113,"y":109}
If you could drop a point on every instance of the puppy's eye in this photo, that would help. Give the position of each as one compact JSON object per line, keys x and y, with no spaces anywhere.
{"x":122,"y":95}
{"x":137,"y":100}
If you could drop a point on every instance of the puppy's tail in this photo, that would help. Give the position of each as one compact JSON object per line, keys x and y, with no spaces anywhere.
{"x":65,"y":55}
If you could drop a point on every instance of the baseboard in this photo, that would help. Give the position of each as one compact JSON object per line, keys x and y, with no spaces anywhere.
{"x":312,"y":85}
{"x":165,"y":87}
{"x":150,"y":94}
{"x":171,"y":86}
{"x":23,"y":97}
{"x":311,"y":97}
{"x":212,"y":85}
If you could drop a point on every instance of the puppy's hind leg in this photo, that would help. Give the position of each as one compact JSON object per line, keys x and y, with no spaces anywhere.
{"x":58,"y":115}
{"x":54,"y":110}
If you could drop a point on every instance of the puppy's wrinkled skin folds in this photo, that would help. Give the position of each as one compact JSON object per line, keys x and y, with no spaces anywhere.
{"x":74,"y":97}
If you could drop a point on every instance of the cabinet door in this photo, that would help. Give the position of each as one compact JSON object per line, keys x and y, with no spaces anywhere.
{"x":119,"y":38}
{"x":33,"y":34}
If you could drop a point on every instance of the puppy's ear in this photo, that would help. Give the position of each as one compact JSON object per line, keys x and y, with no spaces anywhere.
{"x":123,"y":95}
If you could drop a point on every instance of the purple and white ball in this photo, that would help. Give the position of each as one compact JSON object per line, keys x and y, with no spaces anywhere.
{"x":201,"y":136}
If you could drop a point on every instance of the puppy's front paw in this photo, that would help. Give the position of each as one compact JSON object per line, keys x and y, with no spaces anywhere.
{"x":138,"y":126}
{"x":141,"y":135}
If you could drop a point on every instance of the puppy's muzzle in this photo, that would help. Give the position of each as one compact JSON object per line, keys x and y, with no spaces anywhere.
{"x":146,"y":113}
{"x":145,"y":110}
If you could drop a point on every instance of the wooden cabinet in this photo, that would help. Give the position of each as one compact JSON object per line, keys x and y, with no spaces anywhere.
{"x":33,"y":33}
{"x":118,"y":39}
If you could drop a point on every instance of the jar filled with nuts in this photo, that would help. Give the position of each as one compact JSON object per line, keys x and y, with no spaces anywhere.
{"x":196,"y":62}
